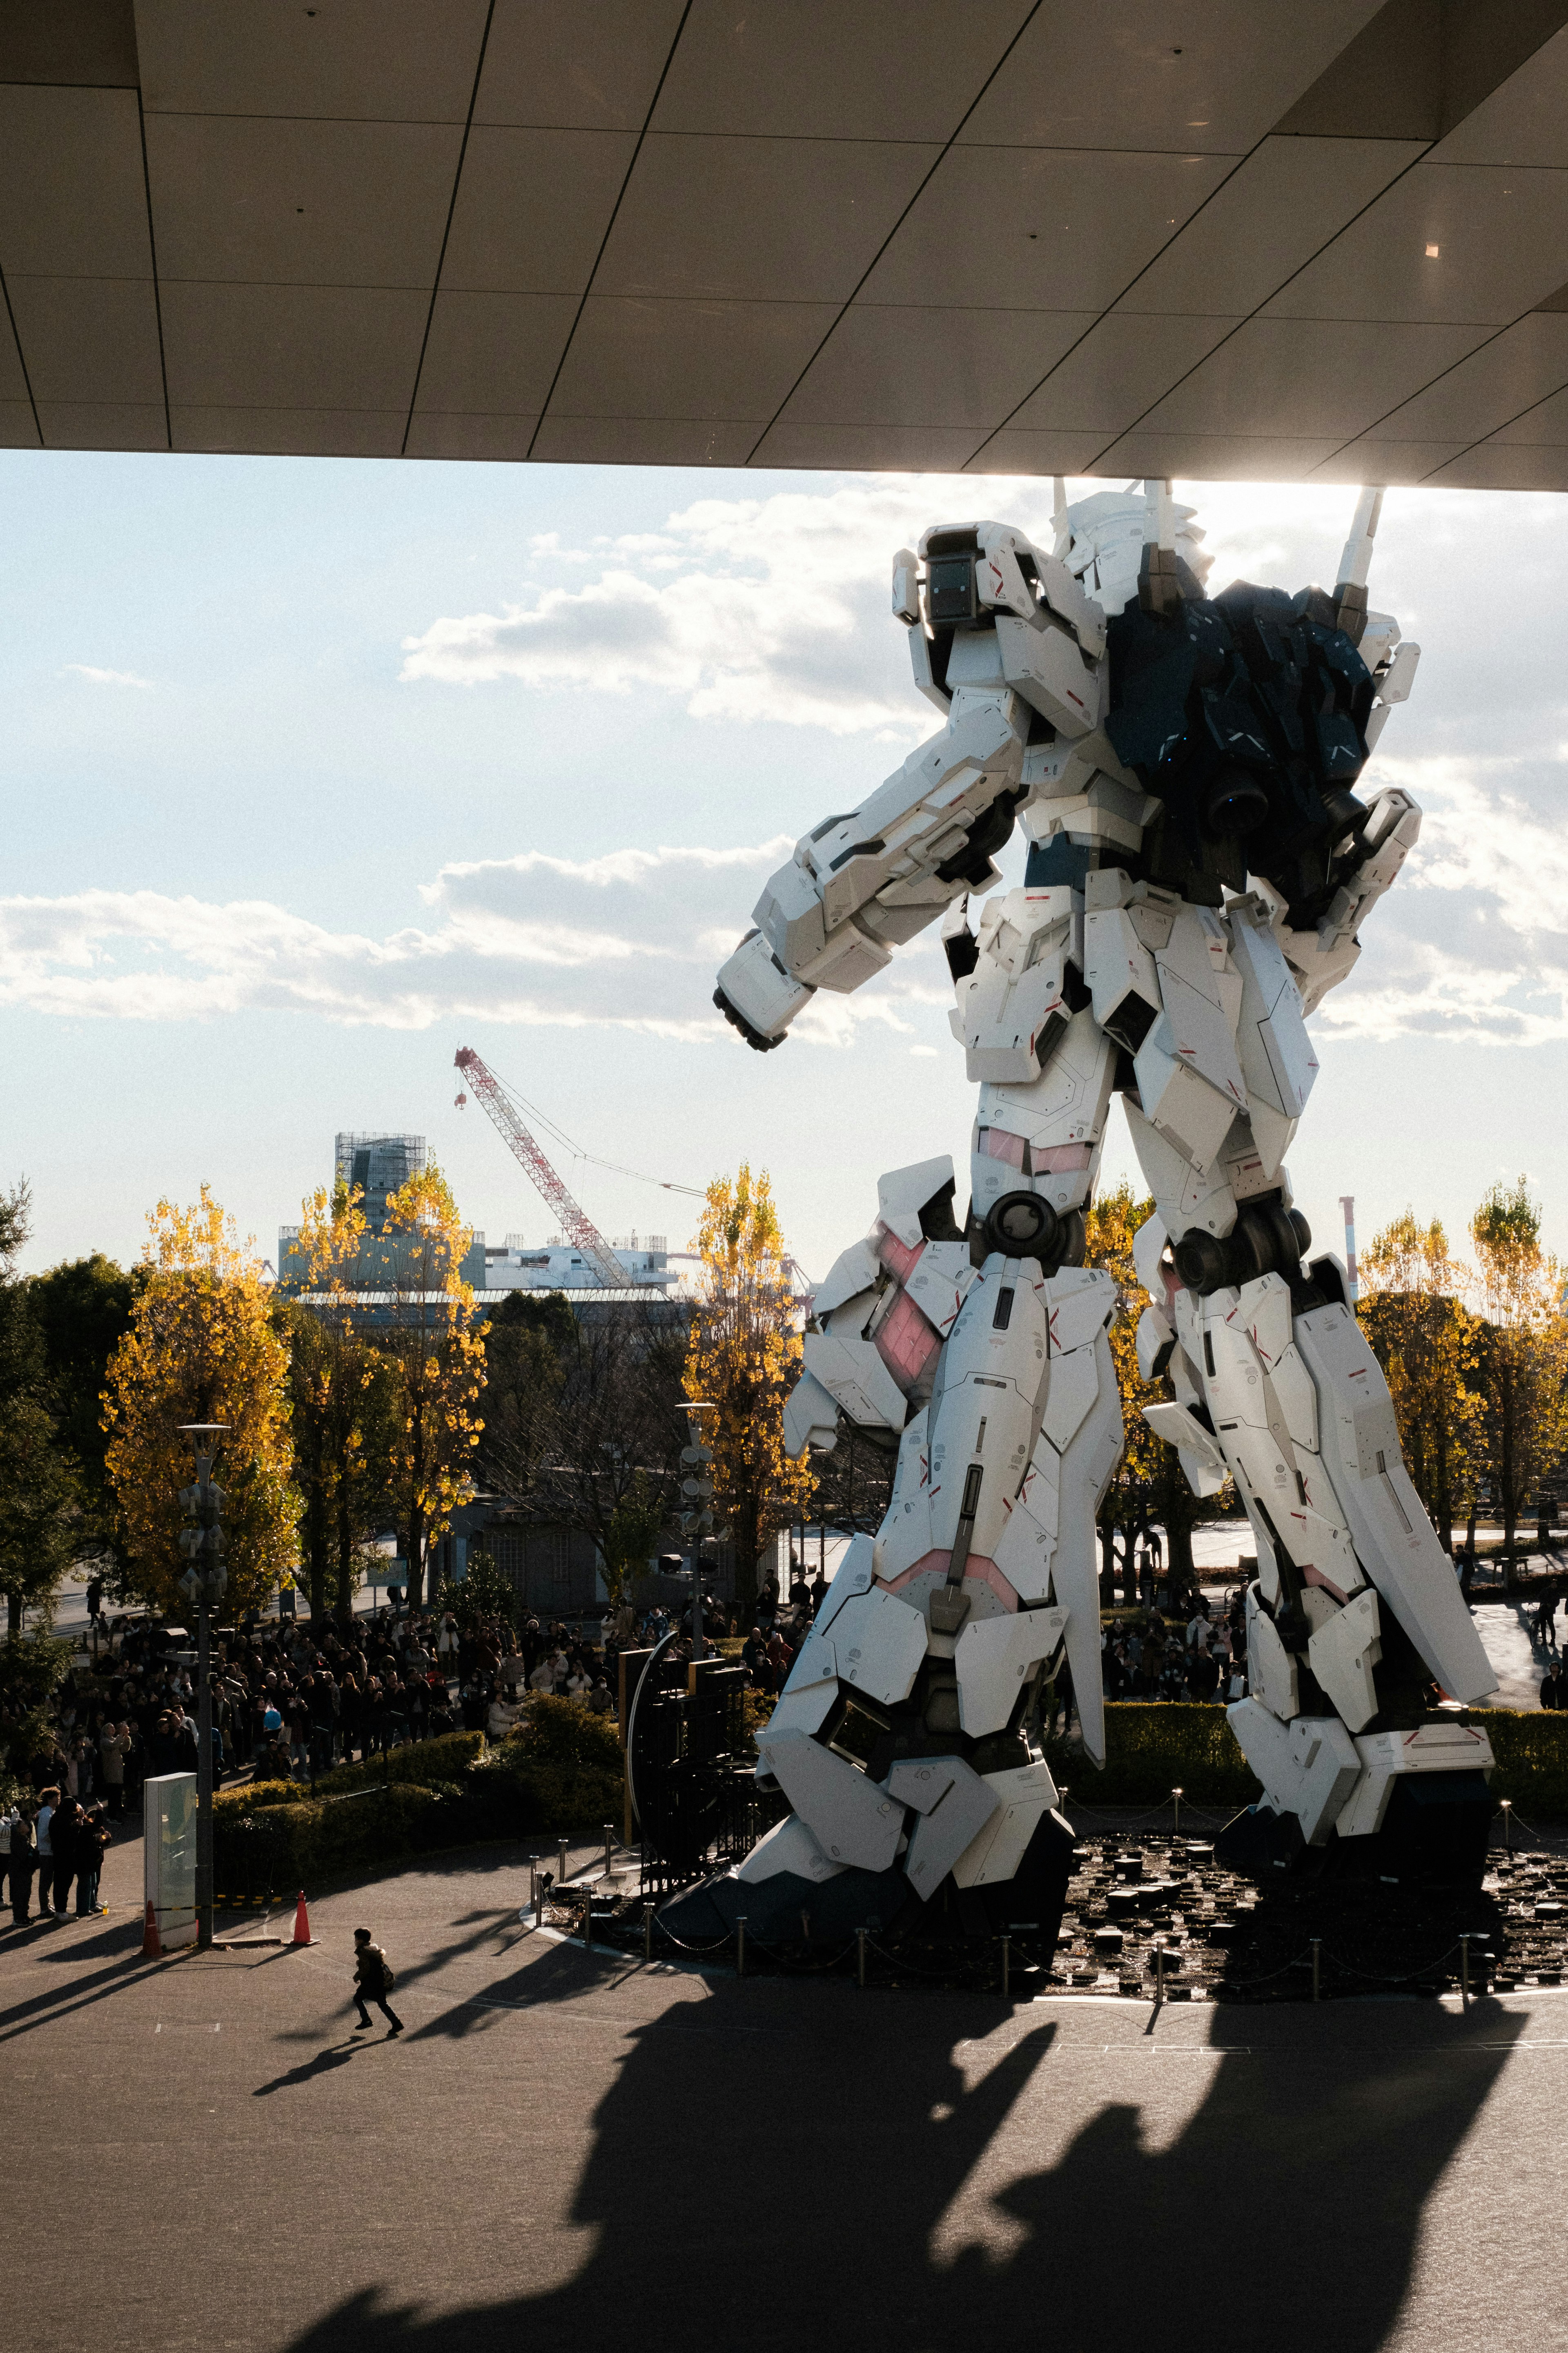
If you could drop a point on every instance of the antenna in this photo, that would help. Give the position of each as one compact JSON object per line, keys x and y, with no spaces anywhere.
{"x":1350,"y":593}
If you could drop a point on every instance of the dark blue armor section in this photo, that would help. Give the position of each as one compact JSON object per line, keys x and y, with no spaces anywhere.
{"x":1245,"y":715}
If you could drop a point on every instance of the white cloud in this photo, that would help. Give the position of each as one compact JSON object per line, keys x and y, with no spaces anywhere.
{"x":630,"y":941}
{"x":772,"y":608}
{"x":106,"y":676}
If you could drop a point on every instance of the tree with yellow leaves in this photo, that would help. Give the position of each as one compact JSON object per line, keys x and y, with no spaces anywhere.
{"x":1428,"y":1345}
{"x":1523,"y":1352}
{"x":202,"y":1346}
{"x":744,"y":1359}
{"x":344,"y":1394}
{"x":426,"y":1322}
{"x":1149,"y":1489}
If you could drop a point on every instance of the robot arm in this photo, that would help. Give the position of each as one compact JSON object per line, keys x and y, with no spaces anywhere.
{"x":1002,"y":638}
{"x":1321,"y":958}
{"x":860,"y":885}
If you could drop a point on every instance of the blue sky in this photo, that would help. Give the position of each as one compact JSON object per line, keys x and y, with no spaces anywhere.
{"x":315,"y":771}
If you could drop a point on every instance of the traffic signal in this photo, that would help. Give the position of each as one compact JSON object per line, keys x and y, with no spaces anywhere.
{"x":696,"y":1520}
{"x":202,"y":1538}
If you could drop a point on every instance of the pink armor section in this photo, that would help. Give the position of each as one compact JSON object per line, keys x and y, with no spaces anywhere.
{"x":897,"y":1257}
{"x":997,"y":1145}
{"x":977,"y":1570}
{"x":906,"y":1341}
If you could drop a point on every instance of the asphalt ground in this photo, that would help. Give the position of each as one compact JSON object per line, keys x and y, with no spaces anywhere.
{"x":567,"y":2150}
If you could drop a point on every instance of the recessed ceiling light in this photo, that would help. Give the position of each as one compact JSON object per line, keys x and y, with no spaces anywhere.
{"x":1431,"y":253}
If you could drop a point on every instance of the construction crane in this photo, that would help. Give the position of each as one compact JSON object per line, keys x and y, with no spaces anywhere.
{"x":584,"y":1234}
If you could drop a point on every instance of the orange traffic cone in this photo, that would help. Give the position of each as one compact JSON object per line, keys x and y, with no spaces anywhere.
{"x":152,"y":1946}
{"x":302,"y":1923}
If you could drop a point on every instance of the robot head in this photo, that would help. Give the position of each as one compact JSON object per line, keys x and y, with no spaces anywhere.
{"x":1105,"y":537}
{"x":1105,"y":542}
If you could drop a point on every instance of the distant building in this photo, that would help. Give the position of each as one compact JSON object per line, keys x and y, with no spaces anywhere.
{"x":556,"y":1266}
{"x":378,"y":1165}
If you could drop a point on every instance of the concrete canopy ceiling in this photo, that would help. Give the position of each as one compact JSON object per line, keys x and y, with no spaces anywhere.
{"x":1276,"y":239}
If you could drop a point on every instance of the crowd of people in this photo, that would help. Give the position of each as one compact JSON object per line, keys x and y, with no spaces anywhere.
{"x":1154,"y":1658}
{"x":293,"y":1698}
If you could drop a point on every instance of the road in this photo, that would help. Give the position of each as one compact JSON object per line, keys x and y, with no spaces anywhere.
{"x":567,"y":2150}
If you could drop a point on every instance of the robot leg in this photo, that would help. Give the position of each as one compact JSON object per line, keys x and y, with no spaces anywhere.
{"x":1356,"y":1628}
{"x":899,"y":1739}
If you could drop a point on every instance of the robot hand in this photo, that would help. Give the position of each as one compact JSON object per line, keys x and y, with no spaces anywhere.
{"x":758,"y":996}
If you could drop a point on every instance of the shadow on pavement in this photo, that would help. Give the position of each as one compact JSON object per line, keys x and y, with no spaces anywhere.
{"x":779,"y":2182}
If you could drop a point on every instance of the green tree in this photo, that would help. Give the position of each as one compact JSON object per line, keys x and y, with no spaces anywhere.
{"x":40,"y":1498}
{"x":484,"y":1592}
{"x":631,"y":1537}
{"x":1429,"y":1345}
{"x":1523,"y":1353}
{"x":82,"y":1310}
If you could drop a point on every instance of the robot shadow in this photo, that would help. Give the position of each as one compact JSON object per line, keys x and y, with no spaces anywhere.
{"x":846,"y":2181}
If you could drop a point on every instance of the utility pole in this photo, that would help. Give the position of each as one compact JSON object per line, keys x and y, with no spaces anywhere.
{"x":696,"y":1520}
{"x":204,"y":1582}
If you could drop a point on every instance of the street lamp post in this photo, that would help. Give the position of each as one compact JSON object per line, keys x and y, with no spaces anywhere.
{"x":201,"y":1541}
{"x":696,"y":1520}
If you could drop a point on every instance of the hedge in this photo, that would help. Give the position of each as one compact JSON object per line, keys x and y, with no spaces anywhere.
{"x":1154,"y":1746}
{"x":425,"y":1761}
{"x":558,"y":1775}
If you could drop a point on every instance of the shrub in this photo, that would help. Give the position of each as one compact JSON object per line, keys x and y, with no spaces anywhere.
{"x":1152,"y":1746}
{"x":1530,"y":1746}
{"x":556,"y":1731}
{"x":251,"y":1796}
{"x":424,"y":1761}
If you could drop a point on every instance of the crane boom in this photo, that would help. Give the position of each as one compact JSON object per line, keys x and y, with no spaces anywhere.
{"x":584,"y":1235}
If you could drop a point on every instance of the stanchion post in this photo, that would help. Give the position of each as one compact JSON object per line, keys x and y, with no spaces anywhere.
{"x":860,"y":1957}
{"x":609,"y":1842}
{"x":1006,"y":1960}
{"x":1316,"y":1967}
{"x":647,"y":1932}
{"x":1465,"y":1972}
{"x":740,"y":1946}
{"x":560,"y":1875}
{"x":1507,"y":1826}
{"x":587,"y":1921}
{"x":1158,"y":1974}
{"x":1176,"y":1801}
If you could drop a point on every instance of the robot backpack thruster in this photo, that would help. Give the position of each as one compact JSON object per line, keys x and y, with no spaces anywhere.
{"x":1199,"y":867}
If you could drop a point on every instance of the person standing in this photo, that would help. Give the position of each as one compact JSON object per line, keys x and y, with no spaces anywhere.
{"x":114,"y":1748}
{"x":373,"y":1982}
{"x":23,"y":1857}
{"x":91,"y":1845}
{"x":43,"y":1832}
{"x":63,"y":1832}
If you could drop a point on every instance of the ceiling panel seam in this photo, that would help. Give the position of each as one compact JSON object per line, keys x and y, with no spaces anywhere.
{"x":1481,"y":438}
{"x":946,"y":150}
{"x":446,"y":231}
{"x":21,"y":357}
{"x":609,"y":229}
{"x":1254,"y":313}
{"x":152,"y":258}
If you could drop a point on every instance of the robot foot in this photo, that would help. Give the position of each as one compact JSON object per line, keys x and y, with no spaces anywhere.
{"x":1435,"y":1833}
{"x":788,"y":1908}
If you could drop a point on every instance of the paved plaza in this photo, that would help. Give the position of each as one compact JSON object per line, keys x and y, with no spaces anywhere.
{"x":569,"y":2151}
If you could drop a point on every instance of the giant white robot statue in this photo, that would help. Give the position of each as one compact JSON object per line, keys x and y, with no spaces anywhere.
{"x":1198,"y":873}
